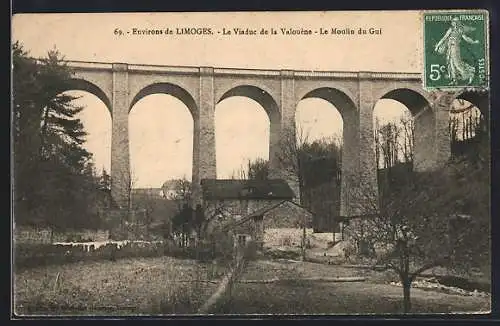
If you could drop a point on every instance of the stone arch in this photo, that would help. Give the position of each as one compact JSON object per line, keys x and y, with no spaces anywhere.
{"x":343,"y":102}
{"x":350,"y":140}
{"x":414,"y":100}
{"x":338,"y":92}
{"x":260,"y":96}
{"x":474,"y":107}
{"x":424,"y":119}
{"x":77,"y":84}
{"x":480,"y":99}
{"x":348,"y":111}
{"x":170,"y":89}
{"x":270,"y":106}
{"x":180,"y":94}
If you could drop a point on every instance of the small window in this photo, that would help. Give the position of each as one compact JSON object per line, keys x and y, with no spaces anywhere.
{"x":247,"y":191}
{"x":242,"y":239}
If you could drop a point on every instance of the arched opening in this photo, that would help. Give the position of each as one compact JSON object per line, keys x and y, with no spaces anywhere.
{"x":324,"y":118}
{"x":96,"y":120}
{"x":468,"y":128}
{"x":393,"y":132}
{"x":161,"y":142}
{"x":247,"y":123}
{"x":90,"y":88}
{"x":405,"y":136}
{"x":161,"y":125}
{"x":170,"y":89}
{"x":479,"y":99}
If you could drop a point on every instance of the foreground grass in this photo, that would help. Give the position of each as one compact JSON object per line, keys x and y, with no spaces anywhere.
{"x":301,"y":297}
{"x":127,"y":286}
{"x":305,"y":297}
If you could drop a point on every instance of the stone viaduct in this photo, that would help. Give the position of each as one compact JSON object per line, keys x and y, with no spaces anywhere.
{"x":354,"y":94}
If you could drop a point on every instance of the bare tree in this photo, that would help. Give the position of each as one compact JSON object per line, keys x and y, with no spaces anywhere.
{"x":389,"y":144}
{"x":132,"y":184}
{"x":209,"y":212}
{"x":407,"y":130}
{"x":465,"y":123}
{"x":376,"y":136}
{"x":292,"y":155}
{"x":258,"y":169}
{"x":181,"y":193}
{"x":291,"y":158}
{"x":431,"y":221}
{"x":394,"y":141}
{"x":189,"y":218}
{"x":239,"y":174}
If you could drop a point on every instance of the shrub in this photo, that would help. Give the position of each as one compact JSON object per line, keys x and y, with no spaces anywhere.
{"x":250,"y":251}
{"x":286,"y":241}
{"x":185,"y":300}
{"x":283,"y":254}
{"x":29,"y":255}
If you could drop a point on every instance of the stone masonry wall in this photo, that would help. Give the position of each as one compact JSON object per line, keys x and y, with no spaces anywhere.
{"x":120,"y":156}
{"x":204,"y":159}
{"x":358,"y":192}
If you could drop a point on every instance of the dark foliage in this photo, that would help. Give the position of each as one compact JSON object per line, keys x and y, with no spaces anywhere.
{"x":54,"y":181}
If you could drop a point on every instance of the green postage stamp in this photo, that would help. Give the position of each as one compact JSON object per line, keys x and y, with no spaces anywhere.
{"x":456,"y":49}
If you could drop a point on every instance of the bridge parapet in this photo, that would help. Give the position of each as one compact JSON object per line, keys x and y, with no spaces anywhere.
{"x":250,"y":72}
{"x":90,"y":65}
{"x":246,"y":72}
{"x":353,"y":93}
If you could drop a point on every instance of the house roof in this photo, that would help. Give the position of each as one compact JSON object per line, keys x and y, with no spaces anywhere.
{"x":257,"y":213}
{"x":262,"y":211}
{"x":248,"y":189}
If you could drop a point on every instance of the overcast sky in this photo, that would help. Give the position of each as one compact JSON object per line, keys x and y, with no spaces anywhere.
{"x":161,"y":126}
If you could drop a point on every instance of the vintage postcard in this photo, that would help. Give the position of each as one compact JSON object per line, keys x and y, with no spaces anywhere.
{"x":251,"y":163}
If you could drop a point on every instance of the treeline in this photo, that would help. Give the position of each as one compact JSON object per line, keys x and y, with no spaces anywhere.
{"x":55,"y":182}
{"x":394,"y":141}
{"x":318,"y":164}
{"x":317,"y":167}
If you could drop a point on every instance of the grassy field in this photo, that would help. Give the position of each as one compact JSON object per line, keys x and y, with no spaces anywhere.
{"x":308,"y":297}
{"x":154,"y":286}
{"x":126,"y":286}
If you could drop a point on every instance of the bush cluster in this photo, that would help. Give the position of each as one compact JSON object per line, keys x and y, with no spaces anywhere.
{"x":30,"y":255}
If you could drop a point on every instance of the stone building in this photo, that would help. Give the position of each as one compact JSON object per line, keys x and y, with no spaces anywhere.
{"x":259,"y":210}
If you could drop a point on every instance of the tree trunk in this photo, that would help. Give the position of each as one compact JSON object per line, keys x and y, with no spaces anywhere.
{"x":43,"y":131}
{"x":304,"y":240}
{"x":406,"y":295}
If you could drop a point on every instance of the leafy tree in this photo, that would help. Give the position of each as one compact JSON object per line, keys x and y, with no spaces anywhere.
{"x":105,"y":180}
{"x":189,"y":219}
{"x":322,"y":176}
{"x":180,"y":192}
{"x":52,"y":170}
{"x":182,"y":223}
{"x":312,"y":164}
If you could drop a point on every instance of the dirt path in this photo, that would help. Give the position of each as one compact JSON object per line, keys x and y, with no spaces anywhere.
{"x":306,"y":297}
